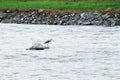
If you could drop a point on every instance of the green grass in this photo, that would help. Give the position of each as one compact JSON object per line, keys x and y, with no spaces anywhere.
{"x":60,"y":4}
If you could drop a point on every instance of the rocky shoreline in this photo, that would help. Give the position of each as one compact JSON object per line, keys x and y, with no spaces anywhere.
{"x":107,"y":17}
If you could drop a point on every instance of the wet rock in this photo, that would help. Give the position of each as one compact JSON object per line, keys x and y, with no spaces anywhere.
{"x":37,"y":46}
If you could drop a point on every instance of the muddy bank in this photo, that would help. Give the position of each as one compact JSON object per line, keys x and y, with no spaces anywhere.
{"x":106,"y":17}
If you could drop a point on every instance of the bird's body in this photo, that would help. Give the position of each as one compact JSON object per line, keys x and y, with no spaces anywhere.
{"x":48,"y":41}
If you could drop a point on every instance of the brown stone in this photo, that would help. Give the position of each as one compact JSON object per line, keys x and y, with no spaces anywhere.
{"x":40,"y":10}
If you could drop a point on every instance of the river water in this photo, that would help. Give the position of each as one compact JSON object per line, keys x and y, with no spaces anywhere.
{"x":77,"y":52}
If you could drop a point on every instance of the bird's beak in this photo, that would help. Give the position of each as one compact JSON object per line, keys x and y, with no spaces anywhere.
{"x":52,"y":40}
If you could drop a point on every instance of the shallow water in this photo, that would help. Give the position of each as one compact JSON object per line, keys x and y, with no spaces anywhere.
{"x":77,"y":53}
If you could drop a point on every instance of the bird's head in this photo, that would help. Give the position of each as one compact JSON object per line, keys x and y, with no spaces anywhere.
{"x":48,"y":41}
{"x":51,"y":40}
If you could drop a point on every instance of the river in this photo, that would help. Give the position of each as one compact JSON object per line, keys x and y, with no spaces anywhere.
{"x":77,"y":52}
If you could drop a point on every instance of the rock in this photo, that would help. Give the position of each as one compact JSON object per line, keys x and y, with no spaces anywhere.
{"x":85,"y":18}
{"x":86,"y":23}
{"x":110,"y":22}
{"x":40,"y":10}
{"x":108,"y":9}
{"x":3,"y":15}
{"x":8,"y":11}
{"x":37,"y":46}
{"x":105,"y":16}
{"x":97,"y":22}
{"x":45,"y":17}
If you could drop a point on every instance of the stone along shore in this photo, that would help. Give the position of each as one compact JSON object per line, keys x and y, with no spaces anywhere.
{"x":107,"y":17}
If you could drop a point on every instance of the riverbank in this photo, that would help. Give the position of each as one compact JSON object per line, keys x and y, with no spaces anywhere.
{"x":106,"y":17}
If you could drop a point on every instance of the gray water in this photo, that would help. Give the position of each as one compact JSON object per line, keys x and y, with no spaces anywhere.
{"x":77,"y":53}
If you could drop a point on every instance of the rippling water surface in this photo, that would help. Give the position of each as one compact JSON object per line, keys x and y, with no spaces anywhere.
{"x":77,"y":53}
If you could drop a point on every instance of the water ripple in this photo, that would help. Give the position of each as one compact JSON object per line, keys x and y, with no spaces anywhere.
{"x":77,"y":53}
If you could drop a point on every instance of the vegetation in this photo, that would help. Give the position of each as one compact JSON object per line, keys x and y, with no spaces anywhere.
{"x":60,"y":4}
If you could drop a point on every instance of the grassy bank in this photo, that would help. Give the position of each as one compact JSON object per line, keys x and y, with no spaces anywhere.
{"x":60,"y":4}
